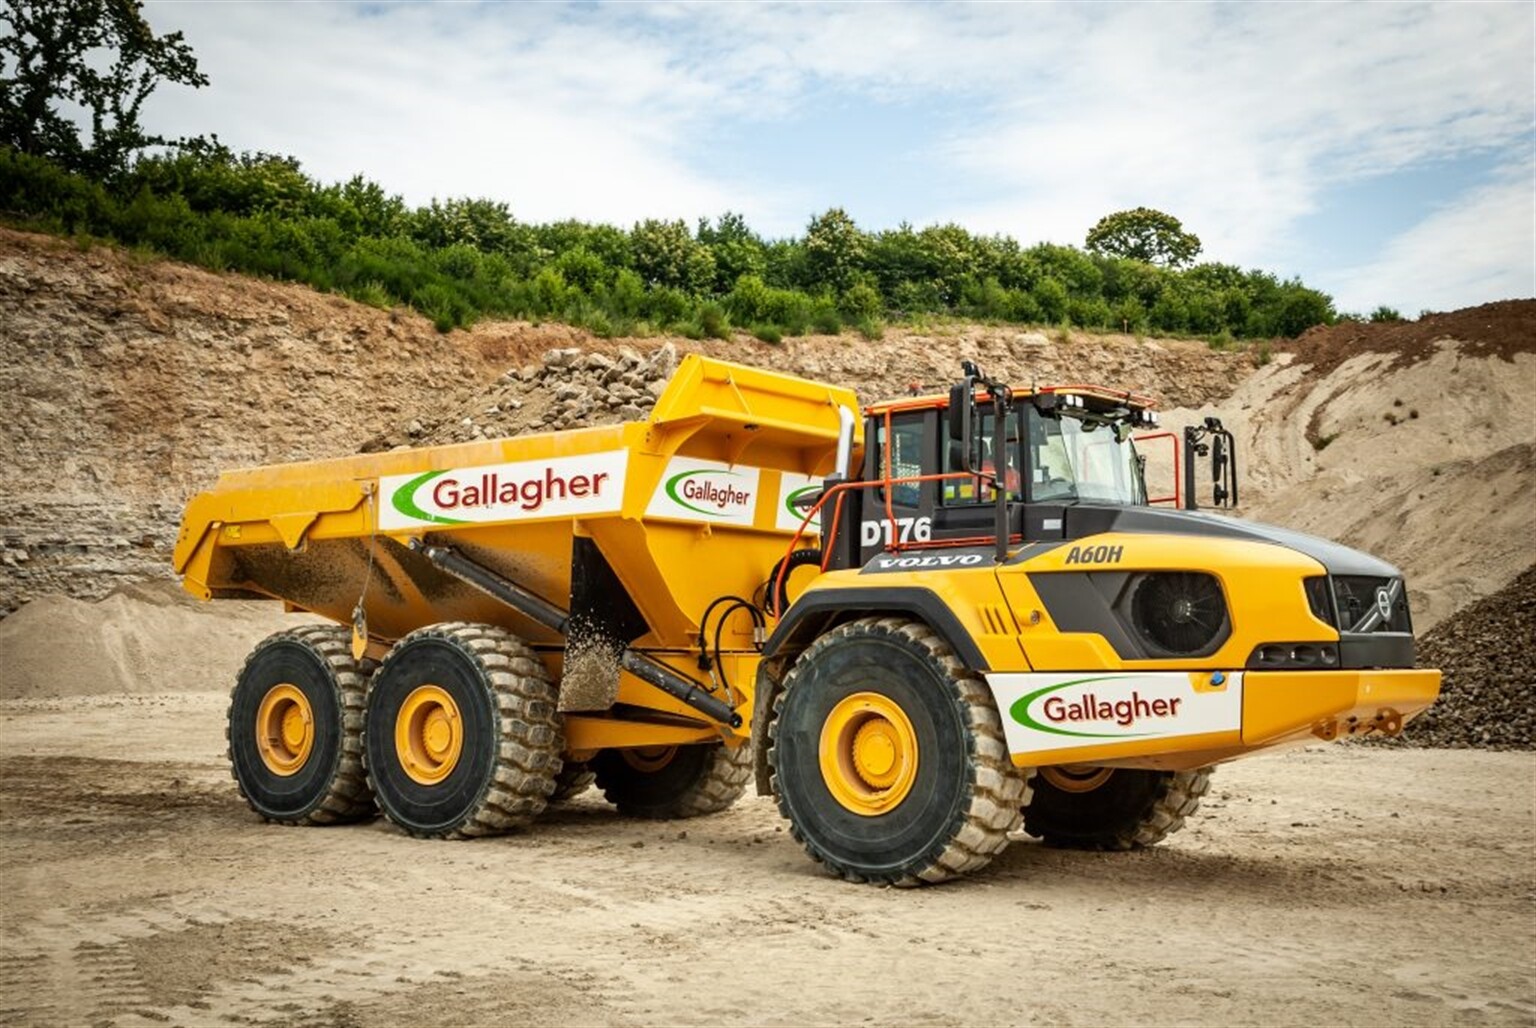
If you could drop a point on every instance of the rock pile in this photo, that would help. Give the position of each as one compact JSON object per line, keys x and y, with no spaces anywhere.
{"x":570,"y":388}
{"x":1485,"y":653}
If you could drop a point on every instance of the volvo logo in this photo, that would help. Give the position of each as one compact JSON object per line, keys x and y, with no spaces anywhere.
{"x":1384,"y":603}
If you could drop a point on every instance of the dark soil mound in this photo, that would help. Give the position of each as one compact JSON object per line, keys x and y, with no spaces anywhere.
{"x":1486,"y":698}
{"x":1503,"y":328}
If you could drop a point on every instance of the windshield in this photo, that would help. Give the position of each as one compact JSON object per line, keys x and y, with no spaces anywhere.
{"x":1072,"y":460}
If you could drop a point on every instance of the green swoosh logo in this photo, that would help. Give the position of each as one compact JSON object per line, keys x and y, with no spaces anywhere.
{"x":1020,"y":711}
{"x":789,"y":501}
{"x":675,"y":483}
{"x":404,"y":500}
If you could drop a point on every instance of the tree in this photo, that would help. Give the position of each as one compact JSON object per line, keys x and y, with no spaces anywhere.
{"x":46,"y":61}
{"x":834,"y":250}
{"x":666,"y":254}
{"x":1144,"y":235}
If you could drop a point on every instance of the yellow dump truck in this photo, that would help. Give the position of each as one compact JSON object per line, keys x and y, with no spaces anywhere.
{"x":941,"y":620}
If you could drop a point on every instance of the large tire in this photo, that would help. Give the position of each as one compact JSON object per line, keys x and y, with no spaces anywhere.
{"x":665,"y":783}
{"x":295,"y":728}
{"x":461,"y":737}
{"x":573,"y":780}
{"x":1112,"y":809}
{"x":941,"y":805}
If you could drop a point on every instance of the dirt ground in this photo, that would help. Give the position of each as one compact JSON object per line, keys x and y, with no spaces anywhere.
{"x":1344,"y":885}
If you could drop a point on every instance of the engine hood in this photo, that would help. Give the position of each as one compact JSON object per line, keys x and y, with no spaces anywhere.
{"x":1090,"y":519}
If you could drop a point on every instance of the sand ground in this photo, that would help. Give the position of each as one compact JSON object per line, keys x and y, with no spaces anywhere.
{"x":1343,"y":885}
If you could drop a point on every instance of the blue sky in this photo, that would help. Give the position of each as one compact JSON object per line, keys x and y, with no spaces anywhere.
{"x":1384,"y":152}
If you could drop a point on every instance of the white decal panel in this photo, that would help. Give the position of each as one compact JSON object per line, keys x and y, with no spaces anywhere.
{"x":557,"y":487}
{"x":1044,"y":712}
{"x":792,"y":486}
{"x":706,"y":491}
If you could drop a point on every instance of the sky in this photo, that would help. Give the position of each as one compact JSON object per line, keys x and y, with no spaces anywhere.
{"x":1383,"y":152}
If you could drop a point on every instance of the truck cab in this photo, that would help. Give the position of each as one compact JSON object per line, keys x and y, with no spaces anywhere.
{"x":1066,"y":450}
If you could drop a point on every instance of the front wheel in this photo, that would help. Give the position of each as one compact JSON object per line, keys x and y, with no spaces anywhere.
{"x":888,"y":757}
{"x":1101,"y":808}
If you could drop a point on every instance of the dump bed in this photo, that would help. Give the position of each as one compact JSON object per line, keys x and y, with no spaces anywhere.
{"x":640,"y":525}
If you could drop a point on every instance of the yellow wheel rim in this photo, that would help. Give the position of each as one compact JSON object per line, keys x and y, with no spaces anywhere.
{"x":429,"y":734}
{"x":868,"y":753}
{"x":1076,"y":777}
{"x":649,"y":759}
{"x":285,"y":729}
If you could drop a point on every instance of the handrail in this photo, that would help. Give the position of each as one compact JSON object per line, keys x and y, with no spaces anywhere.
{"x":840,"y":490}
{"x":1178,"y":477}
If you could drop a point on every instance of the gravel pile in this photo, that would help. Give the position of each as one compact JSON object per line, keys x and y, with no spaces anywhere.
{"x":1485,"y":653}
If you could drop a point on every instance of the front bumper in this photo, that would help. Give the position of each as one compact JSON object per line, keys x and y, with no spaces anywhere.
{"x":1177,"y":719}
{"x":1287,"y":706}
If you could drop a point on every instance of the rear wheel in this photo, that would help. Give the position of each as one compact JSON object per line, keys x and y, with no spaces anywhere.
{"x":1104,"y":808}
{"x":295,"y":728}
{"x":461,"y":737}
{"x":667,"y":782}
{"x":888,"y":757}
{"x":574,"y":779}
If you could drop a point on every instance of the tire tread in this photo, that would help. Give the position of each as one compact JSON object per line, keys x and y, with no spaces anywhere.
{"x":530,"y":736}
{"x":348,"y":796}
{"x":998,"y":788}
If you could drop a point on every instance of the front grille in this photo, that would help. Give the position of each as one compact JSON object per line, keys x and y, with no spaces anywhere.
{"x":1369,"y":604}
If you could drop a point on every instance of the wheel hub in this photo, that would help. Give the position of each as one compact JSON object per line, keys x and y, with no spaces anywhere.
{"x":1076,"y":777}
{"x":648,"y":759}
{"x":868,"y":753}
{"x":285,"y":729}
{"x":429,"y":734}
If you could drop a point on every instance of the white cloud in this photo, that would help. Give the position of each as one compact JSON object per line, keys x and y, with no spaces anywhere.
{"x":1479,"y":246}
{"x":558,"y":119}
{"x":1236,"y":117}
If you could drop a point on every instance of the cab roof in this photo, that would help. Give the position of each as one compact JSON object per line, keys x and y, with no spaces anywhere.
{"x":1094,"y":396}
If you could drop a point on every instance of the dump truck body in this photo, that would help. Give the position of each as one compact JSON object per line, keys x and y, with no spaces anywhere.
{"x":989,"y":589}
{"x":633,"y":530}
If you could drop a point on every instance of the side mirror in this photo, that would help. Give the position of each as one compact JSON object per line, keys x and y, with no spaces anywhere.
{"x":960,"y":410}
{"x":957,"y":457}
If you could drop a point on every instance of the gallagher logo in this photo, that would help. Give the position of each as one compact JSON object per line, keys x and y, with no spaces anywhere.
{"x":703,"y":495}
{"x":794,"y":487}
{"x":555,"y":487}
{"x":1079,"y":714}
{"x":706,"y":491}
{"x":794,"y":496}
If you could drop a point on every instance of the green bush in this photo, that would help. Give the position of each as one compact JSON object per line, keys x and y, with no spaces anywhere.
{"x":862,"y":303}
{"x":713,"y":320}
{"x":768,"y":333}
{"x":456,"y":260}
{"x":668,"y":307}
{"x":825,"y":318}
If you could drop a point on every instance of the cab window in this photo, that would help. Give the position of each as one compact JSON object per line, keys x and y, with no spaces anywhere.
{"x":974,"y":489}
{"x":906,"y":458}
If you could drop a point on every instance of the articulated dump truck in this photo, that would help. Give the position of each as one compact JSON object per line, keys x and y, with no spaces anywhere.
{"x":924,"y":628}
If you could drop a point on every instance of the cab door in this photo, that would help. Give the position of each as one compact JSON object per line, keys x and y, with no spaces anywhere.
{"x":901,"y":513}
